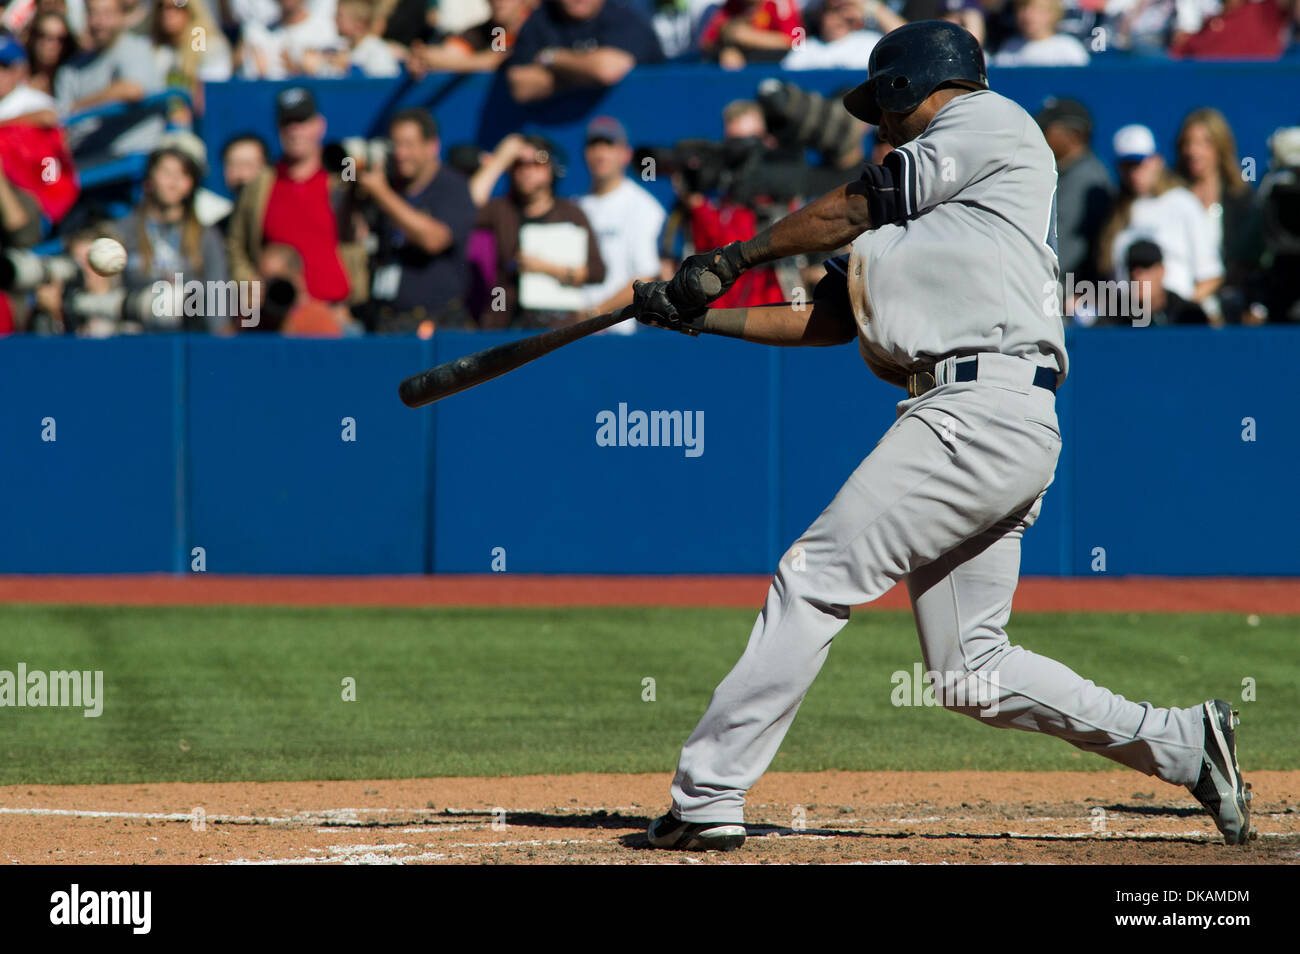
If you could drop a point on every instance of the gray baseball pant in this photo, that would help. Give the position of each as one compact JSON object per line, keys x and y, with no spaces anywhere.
{"x":942,"y":501}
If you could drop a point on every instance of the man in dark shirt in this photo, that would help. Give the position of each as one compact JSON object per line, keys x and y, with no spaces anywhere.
{"x":1149,"y":301}
{"x":1084,"y":190}
{"x":577,"y":43}
{"x":420,"y":273}
{"x":531,"y":204}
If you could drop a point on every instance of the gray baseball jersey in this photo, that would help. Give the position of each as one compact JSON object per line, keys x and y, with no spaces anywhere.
{"x":973,"y":265}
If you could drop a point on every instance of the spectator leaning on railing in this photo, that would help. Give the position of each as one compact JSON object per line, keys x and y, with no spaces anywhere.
{"x":1243,"y":29}
{"x":578,"y":43}
{"x":119,"y":67}
{"x":277,"y":52}
{"x":358,"y":50}
{"x":839,"y":40}
{"x":299,"y":204}
{"x":1039,"y":43}
{"x":165,"y":241}
{"x":421,"y":279}
{"x":480,"y":49}
{"x":188,"y":46}
{"x":758,"y":31}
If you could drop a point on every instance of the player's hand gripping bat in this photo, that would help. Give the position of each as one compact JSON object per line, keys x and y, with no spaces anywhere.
{"x":460,"y":374}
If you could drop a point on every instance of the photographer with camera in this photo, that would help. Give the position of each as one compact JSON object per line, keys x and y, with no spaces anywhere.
{"x":729,"y":217}
{"x":426,"y":215}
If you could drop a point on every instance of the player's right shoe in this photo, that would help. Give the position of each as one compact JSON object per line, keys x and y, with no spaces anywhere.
{"x":1220,"y":789}
{"x":669,"y":831}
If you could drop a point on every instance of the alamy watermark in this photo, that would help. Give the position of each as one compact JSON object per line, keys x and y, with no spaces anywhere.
{"x":634,"y":428}
{"x":950,"y":689}
{"x":211,"y":299}
{"x":56,"y":689}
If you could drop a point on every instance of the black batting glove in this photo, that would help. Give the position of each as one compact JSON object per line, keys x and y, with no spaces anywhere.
{"x":653,"y":306}
{"x":726,"y":264}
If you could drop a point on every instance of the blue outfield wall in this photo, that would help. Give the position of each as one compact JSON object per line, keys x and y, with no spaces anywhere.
{"x":237,"y":446}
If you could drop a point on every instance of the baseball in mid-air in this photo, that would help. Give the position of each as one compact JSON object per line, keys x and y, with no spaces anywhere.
{"x":107,"y":256}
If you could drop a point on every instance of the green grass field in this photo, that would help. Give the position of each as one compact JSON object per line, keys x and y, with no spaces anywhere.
{"x":225,"y":694}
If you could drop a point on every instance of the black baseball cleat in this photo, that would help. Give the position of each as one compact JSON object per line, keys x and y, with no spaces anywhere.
{"x":668,"y":831}
{"x":1221,"y":789}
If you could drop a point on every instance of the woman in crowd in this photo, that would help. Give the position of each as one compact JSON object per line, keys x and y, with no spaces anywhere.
{"x":1207,"y":161}
{"x":1154,"y":205}
{"x":164,"y":239}
{"x":50,"y":44}
{"x":175,"y":23}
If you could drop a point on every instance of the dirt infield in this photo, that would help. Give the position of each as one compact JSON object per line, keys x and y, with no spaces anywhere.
{"x":874,"y":817}
{"x":1035,"y":594}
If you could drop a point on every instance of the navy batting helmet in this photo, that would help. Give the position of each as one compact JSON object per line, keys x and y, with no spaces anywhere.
{"x":910,"y":63}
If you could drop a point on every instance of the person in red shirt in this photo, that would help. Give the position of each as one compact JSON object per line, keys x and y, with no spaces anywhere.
{"x":724,"y":220}
{"x":1245,"y":29}
{"x":301,"y":205}
{"x":760,"y":31}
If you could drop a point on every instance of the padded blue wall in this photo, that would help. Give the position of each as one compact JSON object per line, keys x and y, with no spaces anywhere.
{"x":165,"y":444}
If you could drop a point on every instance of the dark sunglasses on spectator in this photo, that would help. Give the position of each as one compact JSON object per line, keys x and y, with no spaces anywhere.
{"x":51,"y":36}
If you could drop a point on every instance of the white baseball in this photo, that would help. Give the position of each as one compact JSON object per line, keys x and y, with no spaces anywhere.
{"x":107,"y":256}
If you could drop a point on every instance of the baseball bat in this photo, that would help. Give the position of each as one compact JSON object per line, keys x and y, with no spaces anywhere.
{"x":460,"y":374}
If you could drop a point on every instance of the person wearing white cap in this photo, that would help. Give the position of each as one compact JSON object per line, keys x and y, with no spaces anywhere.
{"x":1153,"y":205}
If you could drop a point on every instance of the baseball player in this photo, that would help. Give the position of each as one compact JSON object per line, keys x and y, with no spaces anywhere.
{"x":950,"y":291}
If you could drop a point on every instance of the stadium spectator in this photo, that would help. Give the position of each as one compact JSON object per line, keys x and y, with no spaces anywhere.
{"x":553,"y":229}
{"x":358,"y":50}
{"x":757,"y":31}
{"x":578,"y":43}
{"x":1279,"y":194}
{"x":1084,"y":189}
{"x":1153,"y":205}
{"x":480,"y":49}
{"x":964,"y":13}
{"x":626,"y":218}
{"x":1149,"y":301}
{"x":1146,"y":27}
{"x":50,"y":44}
{"x":298,"y":203}
{"x":277,"y":52}
{"x":118,"y":67}
{"x":421,"y":278}
{"x":1243,"y":29}
{"x":717,"y":222}
{"x":19,"y":102}
{"x":20,"y":216}
{"x":184,"y":62}
{"x":1207,"y":162}
{"x":164,"y":239}
{"x":1039,"y":43}
{"x":404,"y":22}
{"x":839,"y":40}
{"x":243,"y":158}
{"x":287,"y":306}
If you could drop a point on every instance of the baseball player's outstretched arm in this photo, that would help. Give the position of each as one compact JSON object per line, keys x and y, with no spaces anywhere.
{"x":817,"y":325}
{"x":823,"y":225}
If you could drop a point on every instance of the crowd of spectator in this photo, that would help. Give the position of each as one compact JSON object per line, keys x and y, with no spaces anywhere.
{"x":419,"y":235}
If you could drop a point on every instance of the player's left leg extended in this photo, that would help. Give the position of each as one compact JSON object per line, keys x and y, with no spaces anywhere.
{"x":962,"y":602}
